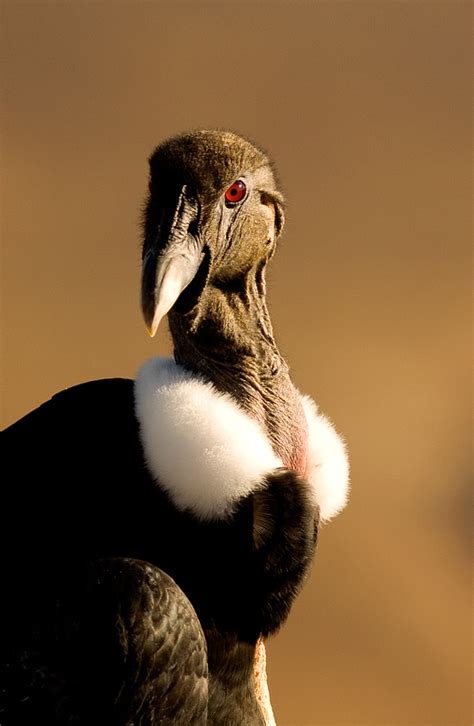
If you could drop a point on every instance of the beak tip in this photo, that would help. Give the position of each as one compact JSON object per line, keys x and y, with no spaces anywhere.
{"x":151,"y":329}
{"x":152,"y":325}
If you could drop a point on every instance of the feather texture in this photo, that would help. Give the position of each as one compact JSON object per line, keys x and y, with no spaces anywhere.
{"x":202,"y":448}
{"x":327,"y":464}
{"x":207,"y":453}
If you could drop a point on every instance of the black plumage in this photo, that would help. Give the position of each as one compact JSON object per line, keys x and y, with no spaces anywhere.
{"x":118,"y":606}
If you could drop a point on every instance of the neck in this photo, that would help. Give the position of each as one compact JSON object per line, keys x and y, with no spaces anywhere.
{"x":228,"y":339}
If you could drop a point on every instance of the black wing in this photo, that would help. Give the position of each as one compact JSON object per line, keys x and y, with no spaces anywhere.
{"x":87,"y":630}
{"x":76,"y":491}
{"x":125,"y":648}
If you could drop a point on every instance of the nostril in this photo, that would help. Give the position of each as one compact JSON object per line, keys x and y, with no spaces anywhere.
{"x":193,"y":227}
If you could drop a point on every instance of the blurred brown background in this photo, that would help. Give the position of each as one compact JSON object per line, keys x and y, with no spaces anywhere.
{"x":365,"y":108}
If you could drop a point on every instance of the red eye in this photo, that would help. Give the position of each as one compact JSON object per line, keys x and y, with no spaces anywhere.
{"x":236,"y":192}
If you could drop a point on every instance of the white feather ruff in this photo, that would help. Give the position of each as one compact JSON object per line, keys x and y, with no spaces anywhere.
{"x":202,"y":448}
{"x":207,"y":453}
{"x":327,"y":465}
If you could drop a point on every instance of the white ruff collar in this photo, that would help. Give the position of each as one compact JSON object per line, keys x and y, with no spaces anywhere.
{"x":207,"y":453}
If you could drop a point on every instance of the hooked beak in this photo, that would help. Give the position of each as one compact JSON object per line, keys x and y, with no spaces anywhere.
{"x":170,"y":262}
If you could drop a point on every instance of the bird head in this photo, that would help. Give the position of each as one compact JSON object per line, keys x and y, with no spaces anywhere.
{"x":212,"y":216}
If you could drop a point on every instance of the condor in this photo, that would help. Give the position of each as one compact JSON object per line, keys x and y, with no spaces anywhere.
{"x":156,"y":531}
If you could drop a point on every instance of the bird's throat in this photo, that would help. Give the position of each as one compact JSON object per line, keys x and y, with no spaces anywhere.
{"x":228,"y":339}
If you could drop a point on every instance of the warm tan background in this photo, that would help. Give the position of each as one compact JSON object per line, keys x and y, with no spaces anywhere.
{"x":365,"y":108}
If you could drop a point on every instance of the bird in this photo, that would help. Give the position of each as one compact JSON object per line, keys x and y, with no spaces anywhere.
{"x":156,"y":531}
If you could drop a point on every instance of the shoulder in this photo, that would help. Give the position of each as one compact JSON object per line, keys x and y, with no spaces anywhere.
{"x":85,"y":406}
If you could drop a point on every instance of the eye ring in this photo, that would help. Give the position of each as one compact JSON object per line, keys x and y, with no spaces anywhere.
{"x":235,"y":193}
